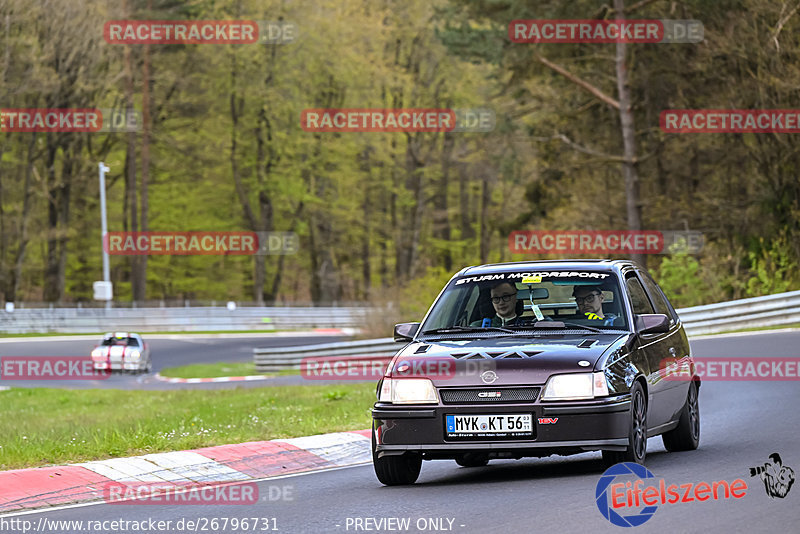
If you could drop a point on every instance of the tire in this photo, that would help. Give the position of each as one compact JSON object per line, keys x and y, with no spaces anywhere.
{"x":637,"y":433}
{"x":472,"y":459}
{"x":685,"y":436}
{"x":396,"y":470}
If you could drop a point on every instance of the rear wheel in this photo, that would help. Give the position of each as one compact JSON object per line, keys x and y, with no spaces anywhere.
{"x":685,"y":436}
{"x":472,"y":459}
{"x":396,"y":470}
{"x":637,"y":434}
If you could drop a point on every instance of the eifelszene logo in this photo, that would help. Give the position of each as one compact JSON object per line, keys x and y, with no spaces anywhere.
{"x":608,"y":508}
{"x":777,"y":478}
{"x":616,"y":497}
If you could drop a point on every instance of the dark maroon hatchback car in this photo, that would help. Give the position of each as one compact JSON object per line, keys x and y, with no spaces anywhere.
{"x":533,"y":359}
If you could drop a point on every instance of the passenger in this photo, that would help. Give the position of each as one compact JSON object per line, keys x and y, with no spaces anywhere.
{"x":590,"y":304}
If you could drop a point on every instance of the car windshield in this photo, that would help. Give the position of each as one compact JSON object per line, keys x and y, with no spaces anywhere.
{"x":518,"y":300}
{"x":124,"y":341}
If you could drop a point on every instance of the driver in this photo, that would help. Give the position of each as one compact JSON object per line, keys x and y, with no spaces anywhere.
{"x":504,"y":301}
{"x":590,"y":304}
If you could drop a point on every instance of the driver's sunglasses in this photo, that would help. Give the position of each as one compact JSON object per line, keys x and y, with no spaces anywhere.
{"x":504,"y":298}
{"x":588,"y":298}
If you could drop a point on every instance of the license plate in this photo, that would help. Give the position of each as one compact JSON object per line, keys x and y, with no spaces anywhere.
{"x":480,"y":426}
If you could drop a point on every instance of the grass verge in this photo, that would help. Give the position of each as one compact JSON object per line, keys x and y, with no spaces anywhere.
{"x":214,"y":370}
{"x":56,"y":426}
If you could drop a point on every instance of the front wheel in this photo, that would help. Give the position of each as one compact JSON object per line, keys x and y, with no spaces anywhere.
{"x":685,"y":436}
{"x":637,"y":434}
{"x":396,"y":470}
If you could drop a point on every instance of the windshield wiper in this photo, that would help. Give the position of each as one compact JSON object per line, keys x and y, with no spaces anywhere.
{"x":457,"y":328}
{"x":584,"y":327}
{"x":553,"y":325}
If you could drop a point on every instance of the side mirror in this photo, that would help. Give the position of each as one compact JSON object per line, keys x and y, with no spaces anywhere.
{"x":405,"y":331}
{"x":652,"y":323}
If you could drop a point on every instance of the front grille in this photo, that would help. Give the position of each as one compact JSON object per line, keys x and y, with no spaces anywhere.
{"x":471,"y":396}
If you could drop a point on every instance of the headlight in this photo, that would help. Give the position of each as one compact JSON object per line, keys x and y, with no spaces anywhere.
{"x":135,"y":354}
{"x":408,"y":391}
{"x":576,"y":386}
{"x":97,"y":354}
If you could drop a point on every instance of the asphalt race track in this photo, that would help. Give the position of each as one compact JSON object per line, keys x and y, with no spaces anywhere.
{"x":167,"y":351}
{"x":743,"y":422}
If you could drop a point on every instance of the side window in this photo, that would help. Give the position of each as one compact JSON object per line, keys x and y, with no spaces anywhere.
{"x":638,"y":297}
{"x":657,"y":297}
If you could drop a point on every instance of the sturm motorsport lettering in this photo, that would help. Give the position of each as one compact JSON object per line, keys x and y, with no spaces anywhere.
{"x":511,"y":276}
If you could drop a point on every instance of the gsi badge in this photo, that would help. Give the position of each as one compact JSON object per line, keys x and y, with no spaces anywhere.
{"x":489,"y":394}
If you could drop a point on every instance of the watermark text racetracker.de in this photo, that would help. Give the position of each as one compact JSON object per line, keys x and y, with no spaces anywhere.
{"x":605,"y":31}
{"x":604,"y":242}
{"x":397,"y":120}
{"x":199,"y":32}
{"x":178,"y":492}
{"x":732,"y":368}
{"x":730,"y":120}
{"x":91,"y":120}
{"x":200,"y":243}
{"x":50,"y":368}
{"x":375,"y":367}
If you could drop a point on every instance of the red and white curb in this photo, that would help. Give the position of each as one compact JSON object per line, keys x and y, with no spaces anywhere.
{"x":216,"y":379}
{"x":50,"y":486}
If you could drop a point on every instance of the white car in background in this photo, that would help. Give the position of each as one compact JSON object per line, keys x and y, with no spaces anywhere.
{"x":122,"y":351}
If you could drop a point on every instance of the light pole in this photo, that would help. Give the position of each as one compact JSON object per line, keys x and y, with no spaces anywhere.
{"x":103,"y":290}
{"x":103,"y":223}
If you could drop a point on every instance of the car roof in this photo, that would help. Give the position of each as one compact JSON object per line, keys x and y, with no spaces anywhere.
{"x":555,"y":265}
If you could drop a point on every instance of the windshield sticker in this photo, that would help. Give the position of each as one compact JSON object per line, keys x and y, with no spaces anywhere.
{"x":483,"y":278}
{"x":532,"y":278}
{"x":559,"y":274}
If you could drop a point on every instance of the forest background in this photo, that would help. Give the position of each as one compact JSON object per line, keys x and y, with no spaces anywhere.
{"x":388,"y":217}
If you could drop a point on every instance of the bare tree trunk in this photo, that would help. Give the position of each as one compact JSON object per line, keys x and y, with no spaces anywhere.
{"x":23,"y":237}
{"x":276,"y":281}
{"x":326,"y":286}
{"x":629,"y":170}
{"x":441,"y":217}
{"x":467,"y":231}
{"x":141,"y":267}
{"x":130,"y":170}
{"x":407,"y":246}
{"x":236,"y":107}
{"x":366,"y":207}
{"x":416,"y":215}
{"x":58,"y":190}
{"x":486,"y":197}
{"x":4,"y":287}
{"x":264,"y":165}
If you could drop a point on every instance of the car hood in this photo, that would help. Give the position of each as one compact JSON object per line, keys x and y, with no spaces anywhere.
{"x":514,"y":360}
{"x":112,"y":350}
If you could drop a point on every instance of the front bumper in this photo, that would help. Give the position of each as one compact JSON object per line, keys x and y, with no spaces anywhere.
{"x":578,"y":427}
{"x":115,"y":365}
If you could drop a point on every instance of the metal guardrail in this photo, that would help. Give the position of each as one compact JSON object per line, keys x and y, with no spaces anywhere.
{"x":277,"y":358}
{"x":771,"y":310}
{"x":72,"y":320}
